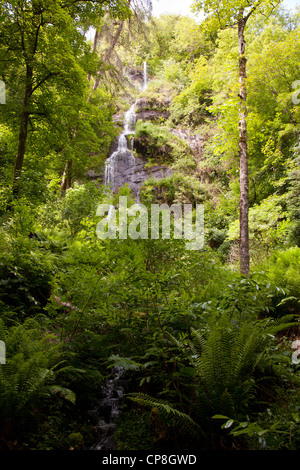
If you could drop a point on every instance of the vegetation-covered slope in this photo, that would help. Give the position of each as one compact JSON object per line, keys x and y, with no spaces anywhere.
{"x":209,"y":355}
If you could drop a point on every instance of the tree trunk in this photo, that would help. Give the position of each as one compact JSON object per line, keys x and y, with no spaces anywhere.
{"x":244,"y":195}
{"x":108,"y":53}
{"x":23,"y":131}
{"x":66,"y":182}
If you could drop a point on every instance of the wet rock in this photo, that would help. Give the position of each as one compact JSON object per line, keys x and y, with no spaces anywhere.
{"x":153,"y":115}
{"x":108,"y":410}
{"x":133,"y":172}
{"x":135,"y":75}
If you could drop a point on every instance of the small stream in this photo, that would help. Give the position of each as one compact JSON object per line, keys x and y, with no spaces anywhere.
{"x":108,"y":410}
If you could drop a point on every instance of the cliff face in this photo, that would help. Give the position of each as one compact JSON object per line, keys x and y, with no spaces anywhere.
{"x":149,"y":147}
{"x":134,"y":174}
{"x":152,"y":109}
{"x":122,"y":165}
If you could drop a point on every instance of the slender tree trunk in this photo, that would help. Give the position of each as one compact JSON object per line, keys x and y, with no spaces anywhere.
{"x":66,"y":181}
{"x":244,"y":189}
{"x":23,"y":131}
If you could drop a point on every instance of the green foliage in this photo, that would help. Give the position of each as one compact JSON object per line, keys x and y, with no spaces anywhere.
{"x":230,"y":358}
{"x":160,"y":146}
{"x":282,"y":268}
{"x":75,"y":441}
{"x":173,"y":36}
{"x":228,"y":13}
{"x":294,"y":205}
{"x":190,"y":107}
{"x":194,"y":337}
{"x":174,"y":417}
{"x":268,"y":224}
{"x":272,"y":430}
{"x":229,"y":362}
{"x":26,"y":269}
{"x":175,"y":189}
{"x":27,"y":378}
{"x":132,"y":431}
{"x":80,"y":204}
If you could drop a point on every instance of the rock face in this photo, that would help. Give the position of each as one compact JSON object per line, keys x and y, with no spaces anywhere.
{"x":195,"y":141}
{"x":152,"y":110}
{"x":134,"y":173}
{"x":122,"y":167}
{"x":135,"y":75}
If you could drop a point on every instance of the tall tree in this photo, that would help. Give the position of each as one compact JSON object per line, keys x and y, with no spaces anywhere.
{"x":111,"y":33}
{"x":41,"y":37}
{"x":236,"y":14}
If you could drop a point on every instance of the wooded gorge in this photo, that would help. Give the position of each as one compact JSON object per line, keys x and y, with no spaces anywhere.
{"x":141,"y":344}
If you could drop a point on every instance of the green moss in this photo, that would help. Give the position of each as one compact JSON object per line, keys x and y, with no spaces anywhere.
{"x":156,"y":142}
{"x":75,"y":441}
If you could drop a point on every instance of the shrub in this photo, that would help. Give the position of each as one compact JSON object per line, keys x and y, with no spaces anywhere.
{"x":28,"y":377}
{"x":177,"y":188}
{"x":282,"y":268}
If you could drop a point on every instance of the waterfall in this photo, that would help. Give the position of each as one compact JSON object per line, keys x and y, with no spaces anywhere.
{"x":122,"y":159}
{"x":145,"y":77}
{"x":122,"y":167}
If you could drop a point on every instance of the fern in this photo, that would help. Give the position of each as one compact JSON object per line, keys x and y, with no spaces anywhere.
{"x":229,"y":358}
{"x":32,"y":365}
{"x":174,"y":417}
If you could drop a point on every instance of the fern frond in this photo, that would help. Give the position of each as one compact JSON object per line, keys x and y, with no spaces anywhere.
{"x":175,"y":417}
{"x":66,"y":393}
{"x":281,"y":324}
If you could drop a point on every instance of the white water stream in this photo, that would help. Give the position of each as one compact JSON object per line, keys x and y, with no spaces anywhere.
{"x":108,"y":410}
{"x":123,"y":158}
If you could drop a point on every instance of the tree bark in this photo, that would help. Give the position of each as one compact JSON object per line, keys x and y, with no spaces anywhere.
{"x":23,"y":130}
{"x":243,"y":153}
{"x":66,"y":182}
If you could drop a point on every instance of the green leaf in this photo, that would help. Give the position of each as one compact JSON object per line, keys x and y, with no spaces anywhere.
{"x":228,"y":424}
{"x":220,"y":417}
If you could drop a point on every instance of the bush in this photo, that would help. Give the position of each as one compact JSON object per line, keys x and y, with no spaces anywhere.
{"x":28,"y":378}
{"x":282,"y":268}
{"x":159,"y":145}
{"x":80,"y":203}
{"x":178,"y":189}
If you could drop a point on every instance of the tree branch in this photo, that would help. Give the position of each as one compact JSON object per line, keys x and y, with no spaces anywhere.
{"x":51,"y":74}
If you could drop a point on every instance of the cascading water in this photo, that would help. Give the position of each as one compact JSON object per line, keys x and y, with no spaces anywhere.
{"x":122,"y":167}
{"x":108,"y":410}
{"x":123,"y":157}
